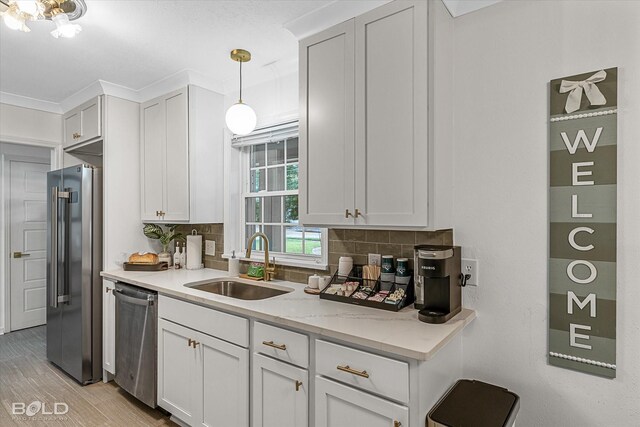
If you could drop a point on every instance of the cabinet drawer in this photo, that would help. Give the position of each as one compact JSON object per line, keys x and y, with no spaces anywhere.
{"x":227,"y":327}
{"x":378,"y":374}
{"x":281,"y":344}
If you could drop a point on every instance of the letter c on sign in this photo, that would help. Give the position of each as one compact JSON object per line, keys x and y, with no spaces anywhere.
{"x":572,"y":238}
{"x":592,"y":268}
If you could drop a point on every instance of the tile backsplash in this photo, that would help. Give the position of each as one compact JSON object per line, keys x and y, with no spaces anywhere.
{"x":350,"y":242}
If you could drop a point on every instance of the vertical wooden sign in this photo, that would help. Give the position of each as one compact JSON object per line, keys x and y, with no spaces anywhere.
{"x":582,"y":222}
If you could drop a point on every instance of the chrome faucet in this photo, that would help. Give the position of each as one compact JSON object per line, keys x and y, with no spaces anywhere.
{"x":269,"y":272}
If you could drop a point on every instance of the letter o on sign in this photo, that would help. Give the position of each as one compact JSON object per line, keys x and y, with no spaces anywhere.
{"x":592,"y":268}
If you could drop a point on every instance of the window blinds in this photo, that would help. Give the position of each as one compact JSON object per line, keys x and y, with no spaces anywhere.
{"x":263,"y":135}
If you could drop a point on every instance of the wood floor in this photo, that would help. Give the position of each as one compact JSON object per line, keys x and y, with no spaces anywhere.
{"x":27,"y":376}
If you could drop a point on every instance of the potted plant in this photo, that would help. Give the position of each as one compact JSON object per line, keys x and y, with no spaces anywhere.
{"x":165,"y":235}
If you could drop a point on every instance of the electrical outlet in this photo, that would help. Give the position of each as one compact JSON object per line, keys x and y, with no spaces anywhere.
{"x":470,"y":266}
{"x":210,"y":247}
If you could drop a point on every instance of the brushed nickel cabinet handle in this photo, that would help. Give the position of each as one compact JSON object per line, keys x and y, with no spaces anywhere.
{"x":298,"y":384}
{"x":278,"y":346}
{"x":349,"y":370}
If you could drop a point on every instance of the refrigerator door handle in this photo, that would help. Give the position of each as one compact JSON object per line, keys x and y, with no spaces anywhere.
{"x":53,"y":289}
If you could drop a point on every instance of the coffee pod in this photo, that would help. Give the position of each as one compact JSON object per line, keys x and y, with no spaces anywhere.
{"x":402,"y":268}
{"x":387,"y":264}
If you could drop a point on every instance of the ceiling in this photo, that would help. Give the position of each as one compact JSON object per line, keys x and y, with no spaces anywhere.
{"x":136,"y":43}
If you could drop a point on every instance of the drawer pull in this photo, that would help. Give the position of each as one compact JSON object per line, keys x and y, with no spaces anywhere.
{"x":271,"y":344}
{"x":190,"y":341}
{"x":346,"y":368}
{"x":298,"y":384}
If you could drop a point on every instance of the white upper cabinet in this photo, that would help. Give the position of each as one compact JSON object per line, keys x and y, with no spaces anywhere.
{"x":181,"y":147}
{"x":83,"y":123}
{"x":365,"y":126}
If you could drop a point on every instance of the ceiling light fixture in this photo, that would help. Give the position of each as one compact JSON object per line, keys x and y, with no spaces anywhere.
{"x":16,"y":13}
{"x":240,"y":118}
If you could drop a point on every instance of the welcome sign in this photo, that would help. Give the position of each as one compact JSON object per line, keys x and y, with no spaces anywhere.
{"x":582,"y":217}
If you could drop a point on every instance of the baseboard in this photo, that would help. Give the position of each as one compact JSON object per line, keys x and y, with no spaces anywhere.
{"x":1,"y":331}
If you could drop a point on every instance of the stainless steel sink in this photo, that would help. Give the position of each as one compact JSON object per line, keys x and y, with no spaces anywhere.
{"x":239,"y":290}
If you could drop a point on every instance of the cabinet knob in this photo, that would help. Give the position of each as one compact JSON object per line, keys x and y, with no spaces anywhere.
{"x":298,"y":384}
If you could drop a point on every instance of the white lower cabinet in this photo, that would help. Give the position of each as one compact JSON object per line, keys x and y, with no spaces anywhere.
{"x":177,"y":372}
{"x":338,"y":405}
{"x":108,"y":328}
{"x":280,"y":394}
{"x":202,"y":380}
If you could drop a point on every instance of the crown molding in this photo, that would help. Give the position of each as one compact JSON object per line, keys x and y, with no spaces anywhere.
{"x":329,"y":15}
{"x":462,"y":7}
{"x":31,"y":103}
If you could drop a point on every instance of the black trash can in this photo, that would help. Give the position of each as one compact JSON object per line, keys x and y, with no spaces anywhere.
{"x":472,"y":403}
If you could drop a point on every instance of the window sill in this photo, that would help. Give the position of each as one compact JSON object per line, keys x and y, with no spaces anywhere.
{"x":286,"y":261}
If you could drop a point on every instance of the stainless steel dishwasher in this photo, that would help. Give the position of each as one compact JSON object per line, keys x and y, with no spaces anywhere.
{"x":136,"y":341}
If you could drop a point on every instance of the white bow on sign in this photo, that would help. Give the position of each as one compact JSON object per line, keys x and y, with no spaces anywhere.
{"x":594,"y":95}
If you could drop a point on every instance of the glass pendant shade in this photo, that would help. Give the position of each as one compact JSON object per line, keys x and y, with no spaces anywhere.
{"x":64,"y":28}
{"x":241,"y":119}
{"x":14,"y":19}
{"x":30,"y":7}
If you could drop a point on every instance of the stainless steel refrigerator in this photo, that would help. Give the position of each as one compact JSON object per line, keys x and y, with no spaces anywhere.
{"x":74,"y":261}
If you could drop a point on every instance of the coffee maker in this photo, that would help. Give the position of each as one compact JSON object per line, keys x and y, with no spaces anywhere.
{"x":438,"y":281}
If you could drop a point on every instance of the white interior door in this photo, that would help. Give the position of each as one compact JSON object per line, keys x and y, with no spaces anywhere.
{"x":28,"y":237}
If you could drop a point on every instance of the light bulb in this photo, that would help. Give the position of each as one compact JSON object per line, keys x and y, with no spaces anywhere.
{"x":30,"y":7}
{"x":64,"y":28}
{"x":241,"y":119}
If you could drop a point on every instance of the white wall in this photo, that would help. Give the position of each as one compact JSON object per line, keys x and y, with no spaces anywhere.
{"x":274,"y":101}
{"x":18,"y":124}
{"x":505,"y":56}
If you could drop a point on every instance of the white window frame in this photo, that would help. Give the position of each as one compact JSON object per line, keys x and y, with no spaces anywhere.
{"x":295,"y":260}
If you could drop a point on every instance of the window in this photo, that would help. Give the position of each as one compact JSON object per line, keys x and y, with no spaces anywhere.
{"x":270,"y":199}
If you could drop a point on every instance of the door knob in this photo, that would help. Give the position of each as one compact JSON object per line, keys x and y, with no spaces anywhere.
{"x":20,"y":255}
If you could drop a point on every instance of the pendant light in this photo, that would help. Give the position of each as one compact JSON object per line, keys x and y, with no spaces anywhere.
{"x":240,"y":118}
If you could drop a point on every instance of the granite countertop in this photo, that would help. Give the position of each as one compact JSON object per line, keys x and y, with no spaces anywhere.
{"x":399,"y":333}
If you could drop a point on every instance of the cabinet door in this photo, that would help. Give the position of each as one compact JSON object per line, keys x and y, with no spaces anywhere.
{"x":338,"y":405}
{"x":152,"y":158}
{"x":176,"y":190}
{"x":326,"y":179}
{"x":108,"y":328}
{"x":280,"y":394}
{"x":392,"y":175}
{"x":224,"y":383}
{"x":72,"y":129}
{"x":83,"y":123}
{"x":91,"y":119}
{"x":178,"y":380}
